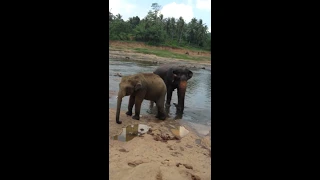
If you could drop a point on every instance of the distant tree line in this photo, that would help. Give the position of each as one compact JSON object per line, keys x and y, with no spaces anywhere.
{"x":156,"y":30}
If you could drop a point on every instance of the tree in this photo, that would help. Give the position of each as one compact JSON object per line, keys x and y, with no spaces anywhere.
{"x":172,"y":27}
{"x":156,"y":8}
{"x":155,"y":29}
{"x":180,"y":27}
{"x":192,"y":30}
{"x":134,"y":21}
{"x":110,"y":16}
{"x":118,"y":29}
{"x":118,"y":17}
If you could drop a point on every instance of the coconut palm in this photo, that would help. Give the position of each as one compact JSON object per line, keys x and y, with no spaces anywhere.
{"x":180,"y":27}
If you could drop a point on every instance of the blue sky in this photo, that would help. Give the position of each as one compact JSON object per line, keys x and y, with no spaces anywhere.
{"x":200,"y":9}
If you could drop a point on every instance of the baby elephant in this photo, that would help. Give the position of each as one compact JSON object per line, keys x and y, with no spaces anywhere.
{"x":142,"y":86}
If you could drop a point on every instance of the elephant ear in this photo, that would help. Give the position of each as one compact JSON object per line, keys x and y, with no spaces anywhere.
{"x":190,"y":74}
{"x":171,"y":75}
{"x":138,"y":86}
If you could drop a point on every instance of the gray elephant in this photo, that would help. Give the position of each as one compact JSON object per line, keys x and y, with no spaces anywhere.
{"x":175,"y":77}
{"x":142,"y":86}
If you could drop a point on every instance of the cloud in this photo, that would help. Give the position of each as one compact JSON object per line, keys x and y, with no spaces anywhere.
{"x":122,"y":7}
{"x":203,"y":4}
{"x":176,"y":10}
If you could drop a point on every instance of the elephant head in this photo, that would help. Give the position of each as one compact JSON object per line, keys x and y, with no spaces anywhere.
{"x":179,"y":77}
{"x":128,"y":86}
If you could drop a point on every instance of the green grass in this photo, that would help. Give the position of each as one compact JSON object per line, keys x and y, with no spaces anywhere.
{"x":168,"y":54}
{"x":195,"y":49}
{"x":184,"y":45}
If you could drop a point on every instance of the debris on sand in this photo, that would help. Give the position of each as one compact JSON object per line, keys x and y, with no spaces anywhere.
{"x":195,"y":177}
{"x":135,"y":163}
{"x":123,"y":150}
{"x":164,"y":137}
{"x":149,"y":131}
{"x":188,"y":166}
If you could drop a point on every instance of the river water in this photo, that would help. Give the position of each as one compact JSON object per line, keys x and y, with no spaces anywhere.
{"x":197,"y":111}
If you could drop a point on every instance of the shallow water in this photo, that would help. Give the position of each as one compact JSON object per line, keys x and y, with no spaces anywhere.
{"x":198,"y":96}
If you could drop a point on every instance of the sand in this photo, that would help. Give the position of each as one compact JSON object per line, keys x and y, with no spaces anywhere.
{"x":153,"y":156}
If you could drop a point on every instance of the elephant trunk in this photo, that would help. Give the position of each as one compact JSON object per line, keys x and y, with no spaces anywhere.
{"x":119,"y":101}
{"x":182,"y":92}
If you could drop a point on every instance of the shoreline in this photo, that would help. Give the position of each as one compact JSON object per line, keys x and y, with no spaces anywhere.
{"x":200,"y":129}
{"x":129,"y":55}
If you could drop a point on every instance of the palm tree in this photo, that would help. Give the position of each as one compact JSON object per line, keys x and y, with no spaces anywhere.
{"x":118,"y":17}
{"x":172,"y":26}
{"x":200,"y":33}
{"x":192,"y":30}
{"x":180,"y":26}
{"x":167,"y":25}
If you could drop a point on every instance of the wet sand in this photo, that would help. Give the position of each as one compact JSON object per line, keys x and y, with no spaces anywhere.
{"x":161,"y":153}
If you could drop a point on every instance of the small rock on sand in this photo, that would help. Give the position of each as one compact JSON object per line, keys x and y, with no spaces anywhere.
{"x":188,"y":166}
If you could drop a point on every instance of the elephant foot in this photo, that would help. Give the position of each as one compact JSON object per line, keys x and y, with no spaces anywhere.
{"x":136,"y":117}
{"x":129,"y":113}
{"x":178,"y":107}
{"x":178,"y":116}
{"x":119,"y":122}
{"x":179,"y":112}
{"x":161,"y":116}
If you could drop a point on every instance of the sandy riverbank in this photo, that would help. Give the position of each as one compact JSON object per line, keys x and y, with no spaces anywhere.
{"x":159,"y":154}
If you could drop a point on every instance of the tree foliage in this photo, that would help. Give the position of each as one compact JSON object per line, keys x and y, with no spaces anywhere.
{"x":156,"y":30}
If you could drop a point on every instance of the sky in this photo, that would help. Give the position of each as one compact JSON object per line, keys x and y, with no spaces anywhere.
{"x":200,"y":9}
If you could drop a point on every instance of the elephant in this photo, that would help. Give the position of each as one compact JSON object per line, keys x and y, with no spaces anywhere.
{"x":175,"y":77}
{"x":142,"y":86}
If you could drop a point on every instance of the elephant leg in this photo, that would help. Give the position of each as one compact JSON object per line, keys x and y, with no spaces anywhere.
{"x":169,"y":96}
{"x":160,"y":105}
{"x":151,"y":104}
{"x":130,"y":105}
{"x":138,"y":102}
{"x":180,"y":105}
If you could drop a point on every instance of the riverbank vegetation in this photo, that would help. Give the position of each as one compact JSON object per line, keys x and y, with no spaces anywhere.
{"x":156,"y":30}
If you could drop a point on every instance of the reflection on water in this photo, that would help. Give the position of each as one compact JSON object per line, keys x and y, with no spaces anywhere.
{"x":131,"y":131}
{"x":197,"y":100}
